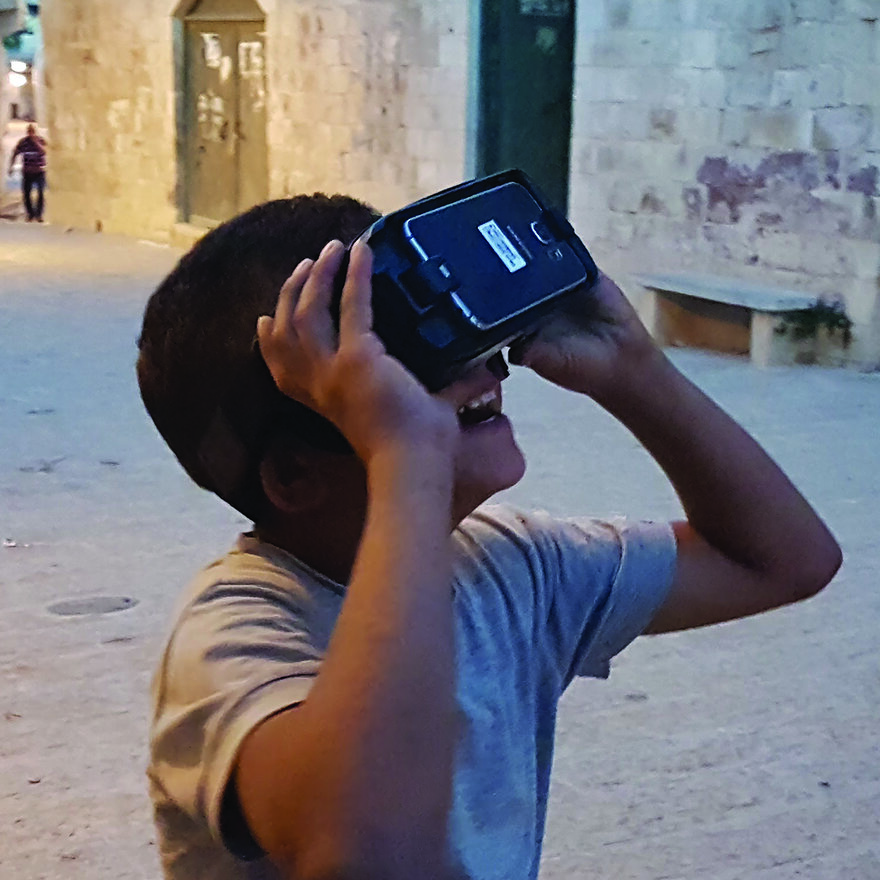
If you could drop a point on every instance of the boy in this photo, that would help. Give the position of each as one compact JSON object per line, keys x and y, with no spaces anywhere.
{"x":366,"y":686}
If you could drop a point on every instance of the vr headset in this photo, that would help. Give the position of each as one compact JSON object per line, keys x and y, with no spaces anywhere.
{"x":463,"y":273}
{"x":456,"y":277}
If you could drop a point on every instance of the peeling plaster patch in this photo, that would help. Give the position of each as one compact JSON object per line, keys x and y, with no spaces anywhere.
{"x":769,"y":218}
{"x":797,"y":167}
{"x":225,"y":68}
{"x":211,"y":116}
{"x":212,"y":50}
{"x":864,"y":181}
{"x":252,"y":67}
{"x":732,"y":186}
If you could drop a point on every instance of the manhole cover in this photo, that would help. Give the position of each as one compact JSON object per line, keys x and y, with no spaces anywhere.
{"x":93,"y":605}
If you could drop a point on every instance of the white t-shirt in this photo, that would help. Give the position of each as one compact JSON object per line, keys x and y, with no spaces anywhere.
{"x":537,"y":601}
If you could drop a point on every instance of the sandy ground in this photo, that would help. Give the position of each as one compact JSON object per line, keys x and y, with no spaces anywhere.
{"x":743,"y":751}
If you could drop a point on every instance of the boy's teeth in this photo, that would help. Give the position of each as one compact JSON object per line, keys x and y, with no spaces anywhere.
{"x":483,"y":400}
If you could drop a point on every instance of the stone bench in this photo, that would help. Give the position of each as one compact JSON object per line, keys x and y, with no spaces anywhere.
{"x":722,"y":314}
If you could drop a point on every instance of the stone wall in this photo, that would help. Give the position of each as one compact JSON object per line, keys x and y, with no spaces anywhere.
{"x":109,"y":82}
{"x":369,"y":98}
{"x":735,"y":137}
{"x":364,"y":98}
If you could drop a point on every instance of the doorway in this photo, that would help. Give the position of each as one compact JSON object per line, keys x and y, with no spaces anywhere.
{"x":223,"y":150}
{"x":524,"y":93}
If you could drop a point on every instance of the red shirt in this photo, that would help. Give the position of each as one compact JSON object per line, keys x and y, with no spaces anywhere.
{"x":33,"y":154}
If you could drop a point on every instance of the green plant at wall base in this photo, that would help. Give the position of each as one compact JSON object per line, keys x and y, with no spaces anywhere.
{"x":806,"y":323}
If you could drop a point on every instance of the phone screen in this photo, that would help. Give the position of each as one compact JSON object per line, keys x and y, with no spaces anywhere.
{"x":496,"y":246}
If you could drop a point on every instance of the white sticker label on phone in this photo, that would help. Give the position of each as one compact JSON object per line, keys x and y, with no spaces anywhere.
{"x":502,"y":245}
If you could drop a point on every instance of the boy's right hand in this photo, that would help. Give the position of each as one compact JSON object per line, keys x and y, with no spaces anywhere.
{"x":346,"y":375}
{"x":595,"y":344}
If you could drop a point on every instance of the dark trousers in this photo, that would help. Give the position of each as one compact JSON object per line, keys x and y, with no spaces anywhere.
{"x":29,"y":180}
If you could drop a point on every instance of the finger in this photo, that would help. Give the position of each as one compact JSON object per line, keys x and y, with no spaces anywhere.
{"x":318,"y":289}
{"x":518,"y":353}
{"x":355,"y":306}
{"x":264,"y":333}
{"x":290,"y":292}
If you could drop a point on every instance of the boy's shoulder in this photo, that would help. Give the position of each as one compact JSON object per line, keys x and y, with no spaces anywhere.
{"x":253,"y":562}
{"x":538,"y":530}
{"x":254,"y":583}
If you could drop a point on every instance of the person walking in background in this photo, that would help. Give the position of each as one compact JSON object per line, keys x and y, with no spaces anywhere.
{"x":32,"y":149}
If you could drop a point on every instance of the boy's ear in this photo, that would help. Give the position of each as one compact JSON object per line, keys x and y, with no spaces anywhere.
{"x":291,"y":482}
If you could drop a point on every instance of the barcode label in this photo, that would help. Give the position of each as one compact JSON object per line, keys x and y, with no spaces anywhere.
{"x":502,"y":245}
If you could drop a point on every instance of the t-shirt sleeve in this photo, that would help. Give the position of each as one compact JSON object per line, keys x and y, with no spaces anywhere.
{"x":608,"y":581}
{"x":238,"y":655}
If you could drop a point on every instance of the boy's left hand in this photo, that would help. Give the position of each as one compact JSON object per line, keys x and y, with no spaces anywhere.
{"x":594,"y":344}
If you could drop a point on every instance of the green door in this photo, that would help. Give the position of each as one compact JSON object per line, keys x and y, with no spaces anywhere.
{"x":225,"y":157}
{"x":525,"y":91}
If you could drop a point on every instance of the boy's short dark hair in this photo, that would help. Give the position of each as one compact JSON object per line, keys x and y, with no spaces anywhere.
{"x":201,"y":377}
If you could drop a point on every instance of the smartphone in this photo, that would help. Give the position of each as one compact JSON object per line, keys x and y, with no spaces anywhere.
{"x":498,"y":245}
{"x":463,"y":273}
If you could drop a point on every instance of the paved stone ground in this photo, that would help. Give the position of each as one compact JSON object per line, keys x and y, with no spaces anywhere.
{"x":743,"y":751}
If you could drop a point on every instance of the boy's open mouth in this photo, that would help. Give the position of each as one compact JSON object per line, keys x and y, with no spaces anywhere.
{"x":480,"y":409}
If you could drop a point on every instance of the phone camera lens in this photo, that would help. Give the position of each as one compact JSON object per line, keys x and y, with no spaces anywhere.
{"x":541,"y":232}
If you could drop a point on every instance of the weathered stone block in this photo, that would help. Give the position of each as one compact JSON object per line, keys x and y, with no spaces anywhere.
{"x":640,"y":159}
{"x":780,"y":250}
{"x":662,"y":122}
{"x":585,"y":157}
{"x":842,"y":128}
{"x":816,"y":88}
{"x":860,"y":84}
{"x":763,"y":15}
{"x":699,"y":48}
{"x":780,"y":129}
{"x":671,"y":88}
{"x":863,"y":258}
{"x":628,"y":48}
{"x":589,"y":18}
{"x":808,"y":43}
{"x":816,"y":10}
{"x":695,"y":87}
{"x":763,"y":42}
{"x":616,"y":121}
{"x":862,"y":302}
{"x":607,"y":84}
{"x":453,"y":50}
{"x":705,"y":13}
{"x":620,"y":229}
{"x":626,"y":196}
{"x":821,"y":257}
{"x":866,"y":10}
{"x":748,"y":88}
{"x":699,"y":125}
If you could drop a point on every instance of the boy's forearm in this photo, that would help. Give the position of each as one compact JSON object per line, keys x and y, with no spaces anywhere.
{"x":393,"y":640}
{"x":734,"y":495}
{"x":375,"y":739}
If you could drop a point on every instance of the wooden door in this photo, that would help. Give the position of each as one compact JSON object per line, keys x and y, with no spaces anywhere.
{"x":526,"y":77}
{"x":225,"y":155}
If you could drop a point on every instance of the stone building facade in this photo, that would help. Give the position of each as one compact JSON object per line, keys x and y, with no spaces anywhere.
{"x":734,"y":137}
{"x":368,"y":98}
